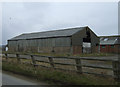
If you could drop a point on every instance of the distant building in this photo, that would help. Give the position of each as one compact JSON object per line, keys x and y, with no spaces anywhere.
{"x":74,"y":40}
{"x":110,"y":44}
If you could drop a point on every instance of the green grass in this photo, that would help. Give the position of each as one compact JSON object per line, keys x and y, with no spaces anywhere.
{"x":95,"y":55}
{"x":56,"y":77}
{"x":66,"y":55}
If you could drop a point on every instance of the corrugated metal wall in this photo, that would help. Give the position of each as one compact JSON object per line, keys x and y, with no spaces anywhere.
{"x":58,"y":44}
{"x":12,"y":45}
{"x":35,"y":44}
{"x":53,"y":42}
{"x":77,"y":40}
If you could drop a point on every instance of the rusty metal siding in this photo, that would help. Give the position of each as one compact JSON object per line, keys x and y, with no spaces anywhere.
{"x":20,"y":45}
{"x":29,"y":43}
{"x":41,"y":40}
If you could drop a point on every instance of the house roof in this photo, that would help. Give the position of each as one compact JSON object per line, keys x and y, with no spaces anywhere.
{"x":118,"y":41}
{"x":48,"y":34}
{"x":109,"y":40}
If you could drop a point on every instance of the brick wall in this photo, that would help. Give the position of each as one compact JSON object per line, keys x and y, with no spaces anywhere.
{"x":110,"y":49}
{"x":117,"y":49}
{"x":77,"y":49}
{"x":95,"y":49}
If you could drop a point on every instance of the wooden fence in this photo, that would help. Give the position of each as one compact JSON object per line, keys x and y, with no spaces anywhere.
{"x":115,"y":64}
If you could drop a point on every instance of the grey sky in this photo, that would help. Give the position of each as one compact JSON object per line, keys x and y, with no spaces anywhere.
{"x":27,"y":17}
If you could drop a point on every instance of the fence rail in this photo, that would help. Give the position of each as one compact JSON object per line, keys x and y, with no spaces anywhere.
{"x":115,"y":66}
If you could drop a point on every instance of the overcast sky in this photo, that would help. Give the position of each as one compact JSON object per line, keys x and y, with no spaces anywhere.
{"x":27,"y":17}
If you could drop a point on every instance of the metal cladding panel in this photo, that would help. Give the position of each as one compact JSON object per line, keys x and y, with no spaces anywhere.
{"x":63,"y":41}
{"x":77,"y":39}
{"x":109,"y":40}
{"x":12,"y":43}
{"x":50,"y":42}
{"x":94,"y":39}
{"x":45,"y":42}
{"x":29,"y":43}
{"x":53,"y":42}
{"x":117,"y":41}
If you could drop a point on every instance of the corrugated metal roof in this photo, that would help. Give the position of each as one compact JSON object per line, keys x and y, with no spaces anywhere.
{"x":47,"y":34}
{"x":109,"y":40}
{"x":118,"y":41}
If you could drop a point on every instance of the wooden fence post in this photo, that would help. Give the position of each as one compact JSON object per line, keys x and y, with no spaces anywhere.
{"x":51,"y":62}
{"x":6,"y":56}
{"x":18,"y":59}
{"x":116,"y":70}
{"x":79,"y":67}
{"x":33,"y":60}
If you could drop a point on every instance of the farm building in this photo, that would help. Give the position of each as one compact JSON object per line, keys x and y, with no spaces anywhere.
{"x":73,"y":40}
{"x":110,"y":44}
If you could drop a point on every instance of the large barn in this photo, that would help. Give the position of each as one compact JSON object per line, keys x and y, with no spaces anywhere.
{"x":73,"y":41}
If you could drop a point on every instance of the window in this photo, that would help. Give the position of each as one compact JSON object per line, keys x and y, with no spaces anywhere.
{"x":112,"y":46}
{"x":101,"y":38}
{"x":105,"y":39}
{"x":103,"y":46}
{"x":116,"y":39}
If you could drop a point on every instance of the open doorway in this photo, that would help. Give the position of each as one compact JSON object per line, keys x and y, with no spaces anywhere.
{"x":86,"y":46}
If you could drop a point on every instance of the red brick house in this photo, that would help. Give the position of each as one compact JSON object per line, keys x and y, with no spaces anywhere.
{"x":110,"y":44}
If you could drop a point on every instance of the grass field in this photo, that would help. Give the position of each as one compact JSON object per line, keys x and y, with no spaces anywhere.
{"x":66,"y":55}
{"x":68,"y":67}
{"x":56,"y":77}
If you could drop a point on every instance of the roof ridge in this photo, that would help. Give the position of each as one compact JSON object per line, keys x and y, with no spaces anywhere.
{"x":53,"y":30}
{"x":111,"y":36}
